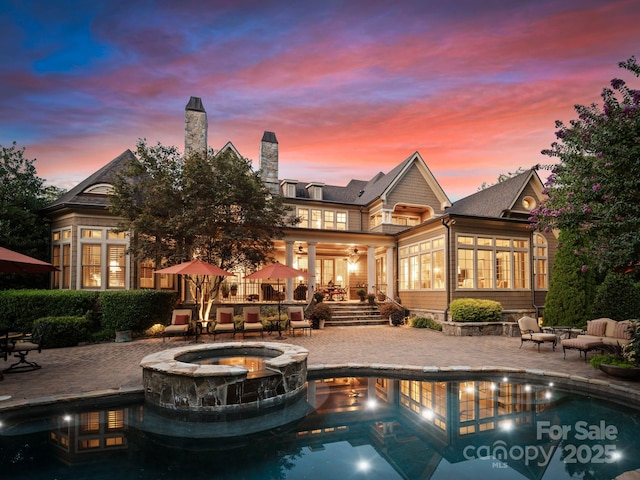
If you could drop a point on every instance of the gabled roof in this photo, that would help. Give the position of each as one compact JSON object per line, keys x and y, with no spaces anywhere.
{"x":496,"y":200}
{"x":76,"y":197}
{"x":363,"y":192}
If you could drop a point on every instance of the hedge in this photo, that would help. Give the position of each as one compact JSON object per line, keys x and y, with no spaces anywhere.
{"x":20,"y":308}
{"x":475,"y":310}
{"x":425,"y":322}
{"x":135,"y":310}
{"x":65,"y":331}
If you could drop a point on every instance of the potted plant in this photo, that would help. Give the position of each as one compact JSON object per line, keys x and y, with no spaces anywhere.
{"x":224,"y":290}
{"x":371,"y":298}
{"x":621,"y":361}
{"x":362,"y":294}
{"x":387,"y":310}
{"x":233,"y":289}
{"x":319,"y":296}
{"x":321,"y":313}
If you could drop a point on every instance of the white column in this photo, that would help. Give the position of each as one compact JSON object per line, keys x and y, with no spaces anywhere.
{"x":289,"y":262}
{"x":391,"y":285}
{"x":371,"y":269}
{"x":312,"y":268}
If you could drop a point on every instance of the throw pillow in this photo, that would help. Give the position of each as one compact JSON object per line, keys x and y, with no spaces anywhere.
{"x":226,"y":317}
{"x":181,"y":320}
{"x":296,"y":316}
{"x":596,"y":328}
{"x":252,"y":317}
{"x":622,"y":330}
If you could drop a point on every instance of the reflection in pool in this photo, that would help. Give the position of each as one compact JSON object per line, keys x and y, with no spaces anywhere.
{"x":368,"y":427}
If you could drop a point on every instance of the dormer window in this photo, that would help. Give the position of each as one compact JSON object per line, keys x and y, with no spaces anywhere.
{"x":99,"y":189}
{"x":289,"y":188}
{"x":315,"y":190}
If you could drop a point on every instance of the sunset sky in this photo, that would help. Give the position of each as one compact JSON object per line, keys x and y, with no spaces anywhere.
{"x":350,"y":88}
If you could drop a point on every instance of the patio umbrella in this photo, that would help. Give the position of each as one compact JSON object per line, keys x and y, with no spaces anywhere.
{"x":14,"y":262}
{"x":198,"y":269}
{"x":277,"y":271}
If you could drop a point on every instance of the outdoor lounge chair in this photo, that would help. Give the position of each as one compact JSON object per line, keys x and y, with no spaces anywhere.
{"x":181,"y":323}
{"x":530,"y":332}
{"x":20,"y":346}
{"x":224,"y":322}
{"x":297,"y":320}
{"x":251,"y":321}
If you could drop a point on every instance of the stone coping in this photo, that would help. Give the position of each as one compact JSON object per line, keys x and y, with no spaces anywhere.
{"x":620,"y":393}
{"x":165,"y":361}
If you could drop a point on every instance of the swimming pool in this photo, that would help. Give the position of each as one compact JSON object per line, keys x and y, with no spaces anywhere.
{"x":373,"y":427}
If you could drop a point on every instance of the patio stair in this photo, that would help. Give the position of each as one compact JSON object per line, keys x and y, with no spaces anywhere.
{"x":351,"y":314}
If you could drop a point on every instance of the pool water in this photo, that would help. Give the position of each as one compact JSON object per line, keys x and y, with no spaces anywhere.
{"x":357,"y":427}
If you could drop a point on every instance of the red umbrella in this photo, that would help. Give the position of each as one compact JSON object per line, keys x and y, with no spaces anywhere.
{"x":276,"y":271}
{"x":199,"y":268}
{"x":14,"y":262}
{"x":196,"y":267}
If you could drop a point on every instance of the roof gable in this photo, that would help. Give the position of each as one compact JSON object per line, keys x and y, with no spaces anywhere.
{"x":85,"y":194}
{"x":500,"y":200}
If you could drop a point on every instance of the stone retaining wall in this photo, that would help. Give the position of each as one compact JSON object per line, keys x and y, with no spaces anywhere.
{"x":477,"y":329}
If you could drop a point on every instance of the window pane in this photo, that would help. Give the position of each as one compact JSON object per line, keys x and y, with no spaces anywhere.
{"x":145,"y":274}
{"x":465,"y":268}
{"x":91,"y":275}
{"x":117,"y":270}
{"x":521,"y":269}
{"x":465,"y":241}
{"x":415,"y":272}
{"x":303,"y":214}
{"x":329,"y":220}
{"x":116,"y":235}
{"x":89,"y":233}
{"x":485,"y":241}
{"x":503,"y":269}
{"x":404,"y":273}
{"x":438,"y":269}
{"x":341,"y":221}
{"x":425,"y":270}
{"x":485,"y":269}
{"x":55,"y":260}
{"x":66,"y":266}
{"x":316,"y":219}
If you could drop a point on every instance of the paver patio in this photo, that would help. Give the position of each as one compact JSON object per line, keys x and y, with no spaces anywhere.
{"x":114,"y":367}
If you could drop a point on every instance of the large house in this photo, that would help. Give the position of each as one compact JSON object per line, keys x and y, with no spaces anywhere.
{"x":395,"y":235}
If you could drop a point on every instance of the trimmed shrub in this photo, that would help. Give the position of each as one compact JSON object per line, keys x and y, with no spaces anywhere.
{"x":617,"y":298}
{"x":424,"y":322}
{"x":65,"y":331}
{"x":571,"y":291}
{"x":21,"y":307}
{"x":135,"y":310}
{"x":475,"y":310}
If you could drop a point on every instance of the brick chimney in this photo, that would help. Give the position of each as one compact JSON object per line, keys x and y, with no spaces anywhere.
{"x":195,"y":128}
{"x":269,"y":161}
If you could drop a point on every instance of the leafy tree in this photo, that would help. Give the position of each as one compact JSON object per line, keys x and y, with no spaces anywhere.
{"x":617,"y":298}
{"x":595,"y":187}
{"x":22,"y":228}
{"x":216,"y":208}
{"x":571,"y":286}
{"x":501,"y":178}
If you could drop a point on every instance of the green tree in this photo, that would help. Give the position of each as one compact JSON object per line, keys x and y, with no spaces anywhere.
{"x":502,"y":177}
{"x":22,"y":228}
{"x":216,"y":208}
{"x":571,"y":286}
{"x":595,"y":187}
{"x":617,"y":297}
